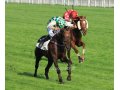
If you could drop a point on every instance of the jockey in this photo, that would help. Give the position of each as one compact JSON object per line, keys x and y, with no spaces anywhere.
{"x":70,"y":16}
{"x":53,"y":27}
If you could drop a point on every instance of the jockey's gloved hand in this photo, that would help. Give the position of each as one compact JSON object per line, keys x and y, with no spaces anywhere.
{"x":66,"y":27}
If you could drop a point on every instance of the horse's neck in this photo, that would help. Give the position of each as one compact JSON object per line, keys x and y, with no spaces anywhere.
{"x":76,"y":34}
{"x":58,"y":37}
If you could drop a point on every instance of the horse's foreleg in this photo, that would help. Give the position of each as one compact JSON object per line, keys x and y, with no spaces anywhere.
{"x":68,"y":54}
{"x":69,"y":67}
{"x":83,"y":50}
{"x":50,"y":62}
{"x":58,"y":71}
{"x":76,"y":51}
{"x":69,"y":71}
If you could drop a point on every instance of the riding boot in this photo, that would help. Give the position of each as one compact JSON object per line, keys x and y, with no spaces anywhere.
{"x":43,"y":40}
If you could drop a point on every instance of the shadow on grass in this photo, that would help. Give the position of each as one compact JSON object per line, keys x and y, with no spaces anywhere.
{"x":32,"y":75}
{"x":45,"y":59}
{"x":41,"y":76}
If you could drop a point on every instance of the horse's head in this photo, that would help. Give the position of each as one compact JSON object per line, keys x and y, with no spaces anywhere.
{"x":82,"y":24}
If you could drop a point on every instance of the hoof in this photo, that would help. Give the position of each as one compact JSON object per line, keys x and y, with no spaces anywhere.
{"x":47,"y":77}
{"x":83,"y":59}
{"x":35,"y":75}
{"x":69,"y":78}
{"x":61,"y":81}
{"x":80,"y":59}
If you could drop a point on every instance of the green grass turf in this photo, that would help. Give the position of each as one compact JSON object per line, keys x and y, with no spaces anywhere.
{"x":25,"y":23}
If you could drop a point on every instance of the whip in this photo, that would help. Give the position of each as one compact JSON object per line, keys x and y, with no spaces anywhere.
{"x":65,"y":5}
{"x":73,"y":5}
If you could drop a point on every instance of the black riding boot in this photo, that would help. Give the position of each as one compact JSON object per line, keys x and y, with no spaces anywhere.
{"x":43,"y":40}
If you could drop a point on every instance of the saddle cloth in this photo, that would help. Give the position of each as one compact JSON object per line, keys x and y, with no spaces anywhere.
{"x":44,"y":46}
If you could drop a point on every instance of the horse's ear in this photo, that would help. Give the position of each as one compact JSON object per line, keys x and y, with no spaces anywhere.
{"x":79,"y":17}
{"x":82,"y":17}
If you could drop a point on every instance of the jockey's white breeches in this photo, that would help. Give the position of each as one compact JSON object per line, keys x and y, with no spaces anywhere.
{"x":50,"y":32}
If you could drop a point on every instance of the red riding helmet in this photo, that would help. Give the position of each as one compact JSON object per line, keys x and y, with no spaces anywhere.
{"x":66,"y":15}
{"x":70,"y":14}
{"x":74,"y":14}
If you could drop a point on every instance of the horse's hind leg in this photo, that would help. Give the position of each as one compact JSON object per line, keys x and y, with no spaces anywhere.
{"x":50,"y":62}
{"x":36,"y":65}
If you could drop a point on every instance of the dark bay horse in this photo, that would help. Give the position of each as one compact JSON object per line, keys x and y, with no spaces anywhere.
{"x":81,"y":28}
{"x":57,"y":48}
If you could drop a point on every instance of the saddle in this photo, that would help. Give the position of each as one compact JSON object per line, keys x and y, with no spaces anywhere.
{"x":43,"y":42}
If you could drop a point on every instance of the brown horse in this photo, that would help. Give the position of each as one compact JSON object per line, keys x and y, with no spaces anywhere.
{"x":81,"y":24}
{"x":57,"y":47}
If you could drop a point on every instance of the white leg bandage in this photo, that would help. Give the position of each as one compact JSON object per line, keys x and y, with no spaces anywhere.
{"x":83,"y":52}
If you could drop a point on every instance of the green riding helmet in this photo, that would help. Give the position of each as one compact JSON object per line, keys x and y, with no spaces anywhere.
{"x":61,"y":23}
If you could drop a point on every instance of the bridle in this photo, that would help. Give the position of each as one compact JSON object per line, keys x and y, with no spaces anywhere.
{"x":79,"y":25}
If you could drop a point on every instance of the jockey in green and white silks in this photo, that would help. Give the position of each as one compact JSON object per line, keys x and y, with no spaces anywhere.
{"x":54,"y":25}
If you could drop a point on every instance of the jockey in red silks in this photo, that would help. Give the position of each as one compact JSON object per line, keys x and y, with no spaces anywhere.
{"x":70,"y":15}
